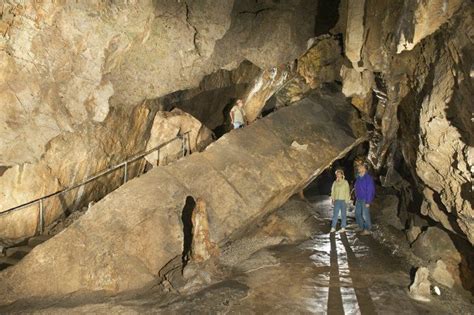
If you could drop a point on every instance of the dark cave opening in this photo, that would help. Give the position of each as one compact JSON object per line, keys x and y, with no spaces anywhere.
{"x":186,"y":219}
{"x":327,"y":16}
{"x":322,"y":184}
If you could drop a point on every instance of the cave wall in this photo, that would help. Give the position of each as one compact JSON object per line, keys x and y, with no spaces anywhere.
{"x":412,"y":61}
{"x":72,"y":71}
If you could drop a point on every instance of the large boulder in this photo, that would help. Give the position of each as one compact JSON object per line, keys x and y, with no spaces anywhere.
{"x":434,"y":244}
{"x":169,"y":125}
{"x":125,"y":239}
{"x":386,"y":211}
{"x":441,"y":274}
{"x":445,"y":258}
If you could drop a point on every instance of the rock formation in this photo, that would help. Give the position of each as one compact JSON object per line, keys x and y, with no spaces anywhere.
{"x":202,"y":248}
{"x":124,"y":240}
{"x":320,"y":64}
{"x":166,"y":127}
{"x":421,"y":286}
{"x":212,"y":100}
{"x":86,"y":85}
{"x":410,"y":78}
{"x":73,"y":78}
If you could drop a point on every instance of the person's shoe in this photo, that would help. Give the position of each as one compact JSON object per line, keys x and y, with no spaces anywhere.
{"x":359,"y":230}
{"x":342,"y":230}
{"x":365,"y":232}
{"x":333,"y":230}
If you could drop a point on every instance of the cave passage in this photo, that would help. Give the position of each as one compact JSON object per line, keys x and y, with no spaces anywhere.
{"x":146,"y":88}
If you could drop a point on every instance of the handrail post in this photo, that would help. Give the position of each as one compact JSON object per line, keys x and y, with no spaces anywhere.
{"x":41,"y":217}
{"x":125,"y":173}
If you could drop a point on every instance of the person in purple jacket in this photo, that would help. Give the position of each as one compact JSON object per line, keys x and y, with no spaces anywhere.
{"x":364,"y":193}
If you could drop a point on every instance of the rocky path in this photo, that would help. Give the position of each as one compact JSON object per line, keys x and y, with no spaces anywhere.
{"x":341,"y":273}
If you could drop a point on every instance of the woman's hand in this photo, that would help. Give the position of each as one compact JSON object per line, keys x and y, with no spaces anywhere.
{"x":367,"y":205}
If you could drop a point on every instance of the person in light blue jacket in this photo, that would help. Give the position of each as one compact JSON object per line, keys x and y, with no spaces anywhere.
{"x":364,"y":193}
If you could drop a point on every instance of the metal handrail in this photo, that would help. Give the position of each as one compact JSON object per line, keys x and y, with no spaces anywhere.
{"x":184,"y":147}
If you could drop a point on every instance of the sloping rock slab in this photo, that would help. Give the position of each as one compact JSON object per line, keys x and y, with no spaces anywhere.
{"x":125,"y":239}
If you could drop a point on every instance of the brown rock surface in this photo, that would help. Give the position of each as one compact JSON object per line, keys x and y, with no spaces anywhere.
{"x":420,"y":288}
{"x":167,"y":126}
{"x":212,"y":100}
{"x":263,"y":87}
{"x":73,"y":77}
{"x":434,"y":244}
{"x":320,"y":64}
{"x":418,"y":57}
{"x":124,"y":240}
{"x":427,"y":17}
{"x":70,"y":159}
{"x":441,"y":274}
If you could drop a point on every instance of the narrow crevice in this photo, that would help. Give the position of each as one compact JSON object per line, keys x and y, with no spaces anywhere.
{"x":3,"y":169}
{"x":194,"y":28}
{"x":186,"y":218}
{"x":257,"y":12}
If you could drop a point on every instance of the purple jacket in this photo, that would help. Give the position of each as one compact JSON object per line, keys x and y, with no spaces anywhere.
{"x":365,"y":188}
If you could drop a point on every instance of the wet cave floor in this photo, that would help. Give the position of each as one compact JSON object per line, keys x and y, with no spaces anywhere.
{"x":338,"y":273}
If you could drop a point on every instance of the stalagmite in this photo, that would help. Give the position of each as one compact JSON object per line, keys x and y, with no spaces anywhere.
{"x":420,"y":289}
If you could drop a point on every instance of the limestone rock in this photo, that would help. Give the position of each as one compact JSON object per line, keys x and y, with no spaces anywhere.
{"x":358,"y":85}
{"x":387,"y":211}
{"x":427,"y":17}
{"x":442,"y":167}
{"x":355,"y":32}
{"x":69,"y":159}
{"x":202,"y":248}
{"x":168,"y":125}
{"x":423,"y":104}
{"x":319,"y":65}
{"x":260,"y":32}
{"x":294,"y":221}
{"x":124,"y":240}
{"x":434,"y":244}
{"x":264,"y":86}
{"x":420,"y":288}
{"x":72,"y":74}
{"x":413,"y":233}
{"x":441,"y":274}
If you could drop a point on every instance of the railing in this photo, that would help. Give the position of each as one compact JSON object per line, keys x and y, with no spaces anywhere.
{"x":185,"y":147}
